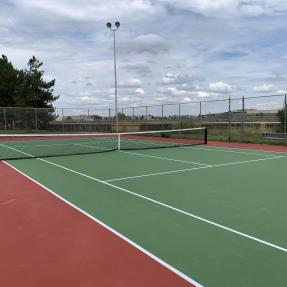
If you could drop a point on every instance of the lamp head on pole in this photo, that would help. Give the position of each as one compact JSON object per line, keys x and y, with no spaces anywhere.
{"x":110,"y":26}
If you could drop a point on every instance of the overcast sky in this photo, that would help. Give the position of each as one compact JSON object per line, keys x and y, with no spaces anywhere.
{"x":168,"y":50}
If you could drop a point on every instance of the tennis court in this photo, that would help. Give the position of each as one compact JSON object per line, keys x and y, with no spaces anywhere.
{"x":210,"y":216}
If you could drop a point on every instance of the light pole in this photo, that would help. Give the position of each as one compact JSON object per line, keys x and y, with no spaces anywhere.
{"x":114,"y":29}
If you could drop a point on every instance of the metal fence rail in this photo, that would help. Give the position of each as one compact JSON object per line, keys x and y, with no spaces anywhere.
{"x":227,"y":119}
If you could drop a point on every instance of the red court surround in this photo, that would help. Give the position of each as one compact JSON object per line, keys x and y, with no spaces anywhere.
{"x":46,"y":243}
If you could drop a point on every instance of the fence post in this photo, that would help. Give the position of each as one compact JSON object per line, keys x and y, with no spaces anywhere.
{"x":229,"y":119}
{"x":110,"y":119}
{"x":5,"y":120}
{"x":36,"y":119}
{"x":243,"y":120}
{"x":162,"y":117}
{"x":179,"y":115}
{"x":133,"y":112}
{"x":63,"y":125}
{"x":285,"y":117}
{"x":146,"y":112}
{"x":200,"y":111}
{"x":285,"y":114}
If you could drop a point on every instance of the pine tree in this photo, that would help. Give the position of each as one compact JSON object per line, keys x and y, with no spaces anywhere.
{"x":8,"y":81}
{"x":32,"y":90}
{"x":26,"y":89}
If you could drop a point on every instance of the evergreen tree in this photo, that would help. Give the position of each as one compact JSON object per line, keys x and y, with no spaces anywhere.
{"x":281,"y":116}
{"x":32,"y":90}
{"x":26,"y":89}
{"x":8,"y":81}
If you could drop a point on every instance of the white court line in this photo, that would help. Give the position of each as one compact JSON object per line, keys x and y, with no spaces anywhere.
{"x":236,"y":150}
{"x":164,"y":158}
{"x":212,"y":148}
{"x":132,"y":243}
{"x":228,"y":151}
{"x":151,"y":156}
{"x":165,"y":205}
{"x":194,"y":168}
{"x":32,"y":145}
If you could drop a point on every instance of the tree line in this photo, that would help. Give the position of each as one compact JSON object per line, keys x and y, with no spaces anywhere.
{"x":26,"y":88}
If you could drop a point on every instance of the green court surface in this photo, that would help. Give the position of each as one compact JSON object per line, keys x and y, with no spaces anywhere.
{"x":217,"y":215}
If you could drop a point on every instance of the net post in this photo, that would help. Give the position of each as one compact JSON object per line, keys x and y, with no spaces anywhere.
{"x":205,"y":135}
{"x":5,"y":119}
{"x":229,"y":119}
{"x":119,"y":141}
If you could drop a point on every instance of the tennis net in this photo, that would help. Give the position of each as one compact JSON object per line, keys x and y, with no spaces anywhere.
{"x":22,"y":146}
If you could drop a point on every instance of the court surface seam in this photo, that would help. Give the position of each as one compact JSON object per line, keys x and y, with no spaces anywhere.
{"x":169,"y":207}
{"x":134,"y":244}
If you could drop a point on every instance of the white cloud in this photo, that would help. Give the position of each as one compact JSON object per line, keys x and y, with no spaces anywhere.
{"x":205,"y":7}
{"x":176,"y":92}
{"x":131,"y":83}
{"x":88,"y":98}
{"x":140,"y":91}
{"x":124,"y":99}
{"x":231,"y":8}
{"x":282,"y":92}
{"x":140,"y":69}
{"x":171,"y":79}
{"x":202,"y":94}
{"x":149,"y":43}
{"x":220,"y":87}
{"x":93,"y":10}
{"x":187,"y":41}
{"x":265,"y":88}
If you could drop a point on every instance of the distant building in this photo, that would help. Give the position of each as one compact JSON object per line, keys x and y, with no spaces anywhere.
{"x":260,"y":112}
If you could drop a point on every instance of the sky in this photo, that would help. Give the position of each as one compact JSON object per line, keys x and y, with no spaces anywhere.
{"x":168,"y":51}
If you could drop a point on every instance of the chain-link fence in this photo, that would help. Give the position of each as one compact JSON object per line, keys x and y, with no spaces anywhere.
{"x":235,"y":119}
